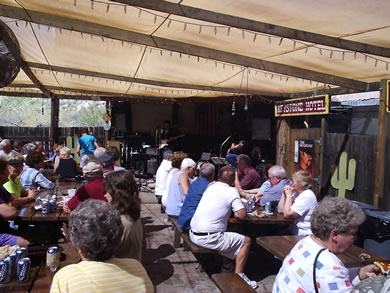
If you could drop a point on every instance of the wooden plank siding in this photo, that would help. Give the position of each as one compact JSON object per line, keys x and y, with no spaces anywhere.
{"x":362,"y":149}
{"x":28,"y":134}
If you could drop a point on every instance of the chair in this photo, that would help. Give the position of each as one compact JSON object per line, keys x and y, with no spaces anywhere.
{"x":142,"y":181}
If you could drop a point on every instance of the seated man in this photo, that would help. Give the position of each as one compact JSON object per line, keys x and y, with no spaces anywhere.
{"x":209,"y":223}
{"x":233,"y":152}
{"x":162,"y":174}
{"x":32,"y":175}
{"x":247,"y":177}
{"x":195,"y":193}
{"x":278,"y":179}
{"x":96,"y":230}
{"x":92,"y":171}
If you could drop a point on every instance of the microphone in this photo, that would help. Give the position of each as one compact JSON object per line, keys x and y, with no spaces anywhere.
{"x":225,"y":141}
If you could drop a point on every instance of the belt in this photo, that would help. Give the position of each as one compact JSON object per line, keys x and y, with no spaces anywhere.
{"x":203,"y":234}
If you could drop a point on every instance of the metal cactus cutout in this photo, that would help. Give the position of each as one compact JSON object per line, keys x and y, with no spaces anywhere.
{"x":69,"y":144}
{"x":343,"y":177}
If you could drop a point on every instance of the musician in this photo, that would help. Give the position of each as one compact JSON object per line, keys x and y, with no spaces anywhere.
{"x":165,"y":135}
{"x":234,"y":151}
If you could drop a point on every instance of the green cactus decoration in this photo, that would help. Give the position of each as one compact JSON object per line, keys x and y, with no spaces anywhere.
{"x":342,"y":180}
{"x":73,"y":146}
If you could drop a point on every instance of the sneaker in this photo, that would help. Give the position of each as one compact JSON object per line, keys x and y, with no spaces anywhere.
{"x":253,"y":284}
{"x":227,"y":268}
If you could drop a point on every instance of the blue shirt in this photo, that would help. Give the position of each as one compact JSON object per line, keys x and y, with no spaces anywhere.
{"x":31,"y":175}
{"x":175,"y":197}
{"x":195,"y":193}
{"x":274,"y":193}
{"x":86,"y":143}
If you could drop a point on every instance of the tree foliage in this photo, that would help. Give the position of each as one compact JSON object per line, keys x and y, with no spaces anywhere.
{"x":34,"y":112}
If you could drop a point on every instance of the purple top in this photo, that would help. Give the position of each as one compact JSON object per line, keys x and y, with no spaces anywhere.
{"x":249,"y":179}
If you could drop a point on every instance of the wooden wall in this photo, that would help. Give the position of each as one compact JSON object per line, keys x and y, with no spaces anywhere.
{"x":363,"y":149}
{"x":28,"y":134}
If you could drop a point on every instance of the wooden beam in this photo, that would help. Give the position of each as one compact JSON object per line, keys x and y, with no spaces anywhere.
{"x":54,"y":115}
{"x":257,"y":26}
{"x":35,"y":80}
{"x":150,"y":82}
{"x":171,"y":45}
{"x":381,"y":147}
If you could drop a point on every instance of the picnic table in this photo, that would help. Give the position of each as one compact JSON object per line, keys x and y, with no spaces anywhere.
{"x":264,"y":219}
{"x":29,"y":214}
{"x":280,"y":246}
{"x":40,"y":276}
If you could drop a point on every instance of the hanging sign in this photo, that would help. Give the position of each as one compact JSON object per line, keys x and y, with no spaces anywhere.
{"x":316,"y":105}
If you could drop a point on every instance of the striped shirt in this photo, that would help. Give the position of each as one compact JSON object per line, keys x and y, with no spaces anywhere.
{"x":115,"y":275}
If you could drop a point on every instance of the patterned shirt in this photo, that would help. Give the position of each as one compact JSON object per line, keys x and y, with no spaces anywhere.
{"x":296,"y":273}
{"x":115,"y":275}
{"x":31,"y":175}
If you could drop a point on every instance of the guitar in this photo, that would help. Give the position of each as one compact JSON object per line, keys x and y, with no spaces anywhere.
{"x":164,"y":142}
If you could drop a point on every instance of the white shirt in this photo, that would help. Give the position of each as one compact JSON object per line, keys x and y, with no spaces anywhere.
{"x":161,"y":177}
{"x":167,"y":182}
{"x":215,"y":207}
{"x":304,"y":205}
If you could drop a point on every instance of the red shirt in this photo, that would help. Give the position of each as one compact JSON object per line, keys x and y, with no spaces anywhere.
{"x":93,"y":189}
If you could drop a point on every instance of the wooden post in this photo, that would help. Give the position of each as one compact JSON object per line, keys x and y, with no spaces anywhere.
{"x":106,"y":132}
{"x":381,"y":146}
{"x":324,"y":131}
{"x":54,"y":113}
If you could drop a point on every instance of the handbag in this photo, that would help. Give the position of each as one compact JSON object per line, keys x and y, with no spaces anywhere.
{"x":314,"y":269}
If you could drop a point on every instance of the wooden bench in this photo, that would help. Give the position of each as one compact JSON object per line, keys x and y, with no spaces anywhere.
{"x":187,"y":243}
{"x":231,"y":283}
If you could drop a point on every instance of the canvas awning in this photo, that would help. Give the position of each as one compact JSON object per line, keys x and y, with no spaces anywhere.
{"x":198,"y":49}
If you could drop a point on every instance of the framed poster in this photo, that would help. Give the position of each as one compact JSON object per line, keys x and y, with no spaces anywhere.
{"x":306,"y":156}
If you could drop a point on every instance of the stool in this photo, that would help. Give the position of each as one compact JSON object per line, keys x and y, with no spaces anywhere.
{"x":143,"y":181}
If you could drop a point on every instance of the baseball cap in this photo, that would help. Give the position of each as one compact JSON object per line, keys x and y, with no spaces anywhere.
{"x":92,"y":166}
{"x":106,"y":160}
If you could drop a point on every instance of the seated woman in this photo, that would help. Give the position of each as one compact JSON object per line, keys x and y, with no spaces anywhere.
{"x":13,"y":186}
{"x":66,"y":166}
{"x":178,"y":187}
{"x":298,"y":201}
{"x":32,"y":175}
{"x":122,"y":194}
{"x":334,"y":223}
{"x":176,"y":160}
{"x":95,"y":231}
{"x":7,"y":211}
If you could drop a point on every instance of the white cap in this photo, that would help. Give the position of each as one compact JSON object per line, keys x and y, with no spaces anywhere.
{"x":187,"y":162}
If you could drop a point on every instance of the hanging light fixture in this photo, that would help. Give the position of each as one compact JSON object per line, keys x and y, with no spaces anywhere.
{"x":246,"y":104}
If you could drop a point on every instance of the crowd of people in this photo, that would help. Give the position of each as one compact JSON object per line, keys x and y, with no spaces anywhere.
{"x":203,"y":207}
{"x":104,"y":213}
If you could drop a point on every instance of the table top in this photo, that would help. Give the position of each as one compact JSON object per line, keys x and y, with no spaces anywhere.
{"x":44,"y":276}
{"x":275,"y":218}
{"x":280,"y":246}
{"x":28,"y":212}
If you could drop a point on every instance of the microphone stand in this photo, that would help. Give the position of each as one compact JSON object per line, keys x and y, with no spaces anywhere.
{"x":225,"y":141}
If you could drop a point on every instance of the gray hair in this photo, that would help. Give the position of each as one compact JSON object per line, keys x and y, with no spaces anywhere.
{"x":168,"y":155}
{"x":99,"y":152}
{"x":4,"y":143}
{"x":29,"y":147}
{"x":207,"y":171}
{"x":277,"y":171}
{"x":335,"y":213}
{"x":244,"y":159}
{"x":96,"y":228}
